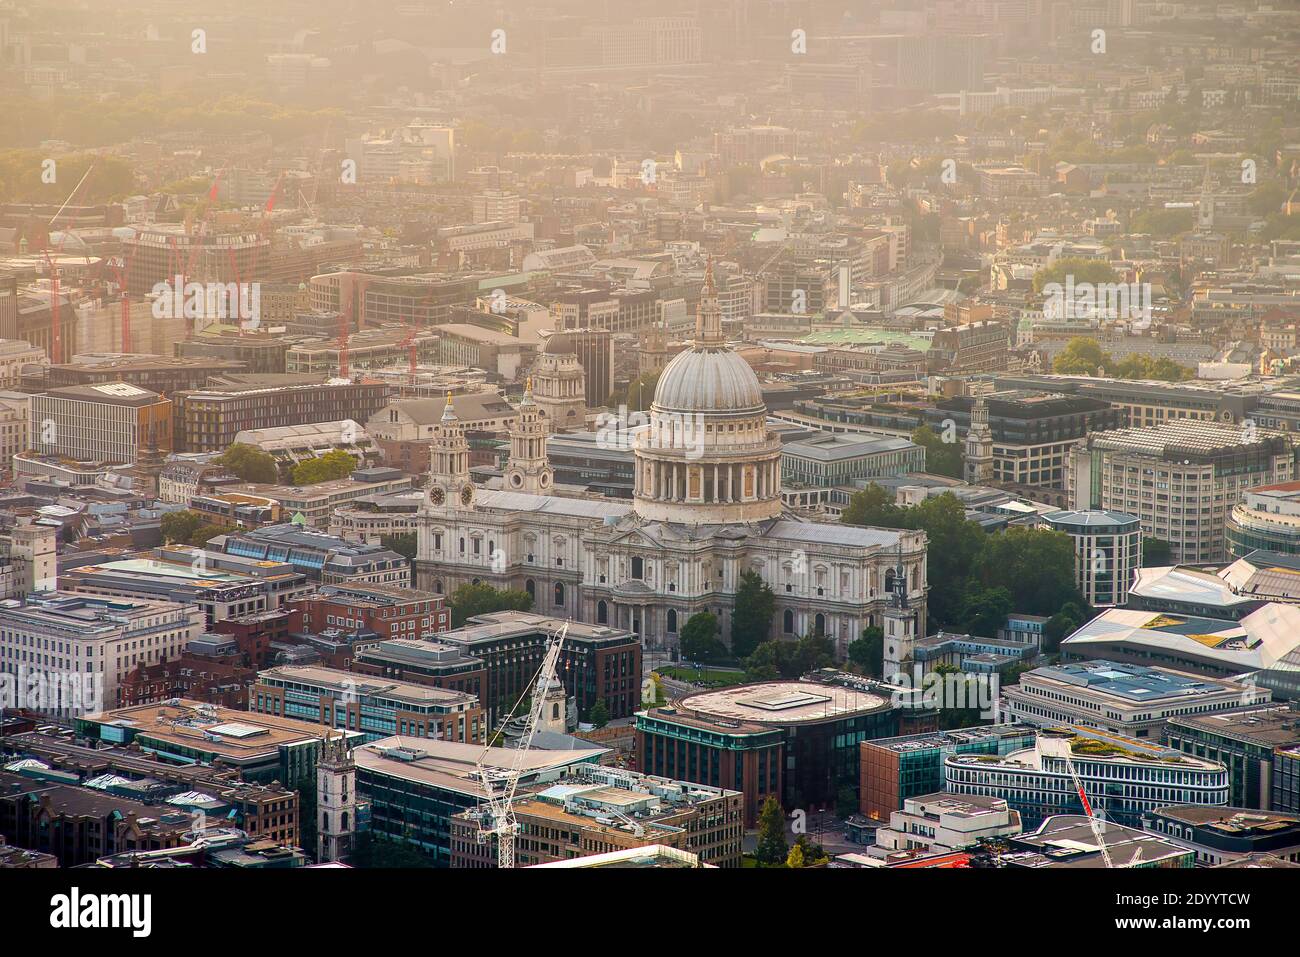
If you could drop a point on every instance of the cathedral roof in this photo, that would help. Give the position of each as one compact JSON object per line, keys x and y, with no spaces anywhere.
{"x":708,"y":379}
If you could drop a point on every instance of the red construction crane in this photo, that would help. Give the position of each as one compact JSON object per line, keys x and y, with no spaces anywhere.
{"x":121,"y":267}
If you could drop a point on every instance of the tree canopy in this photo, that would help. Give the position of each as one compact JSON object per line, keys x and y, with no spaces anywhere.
{"x":751,"y":622}
{"x":699,"y":639}
{"x":941,"y":458}
{"x":1083,"y":355}
{"x":250,"y":463}
{"x":334,"y":464}
{"x":470,"y":600}
{"x":1083,"y":270}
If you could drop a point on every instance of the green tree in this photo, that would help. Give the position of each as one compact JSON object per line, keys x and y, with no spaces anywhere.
{"x":404,"y":543}
{"x":1083,"y":270}
{"x":179,"y":527}
{"x":250,"y":463}
{"x":206,"y":532}
{"x":470,"y":600}
{"x":1162,"y":223}
{"x":1156,"y":553}
{"x":771,"y":660}
{"x":751,"y":622}
{"x":1061,"y":625}
{"x":334,"y":464}
{"x":699,"y":638}
{"x":985,"y":611}
{"x":955,"y":544}
{"x":1034,"y":565}
{"x":846,"y":802}
{"x":638,"y":394}
{"x":813,"y":853}
{"x":772,"y":849}
{"x":941,"y":458}
{"x":1082,"y":355}
{"x":811,"y":653}
{"x":373,"y":849}
{"x":867,"y":653}
{"x":306,"y":788}
{"x":873,"y":507}
{"x":599,"y":714}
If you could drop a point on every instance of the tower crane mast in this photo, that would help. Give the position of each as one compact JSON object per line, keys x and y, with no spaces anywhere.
{"x":500,"y":784}
{"x":1060,"y":747}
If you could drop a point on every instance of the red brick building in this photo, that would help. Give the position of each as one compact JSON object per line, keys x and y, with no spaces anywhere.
{"x":189,"y":676}
{"x":383,"y":610}
{"x":254,"y":634}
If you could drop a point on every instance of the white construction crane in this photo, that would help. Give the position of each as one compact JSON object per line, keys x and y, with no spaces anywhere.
{"x":500,"y":784}
{"x":1060,"y":747}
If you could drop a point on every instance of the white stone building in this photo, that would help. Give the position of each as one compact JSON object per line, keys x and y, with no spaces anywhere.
{"x":706,"y":508}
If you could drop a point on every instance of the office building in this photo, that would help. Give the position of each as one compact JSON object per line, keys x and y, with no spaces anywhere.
{"x":597,"y":663}
{"x":1267,"y":518}
{"x":1263,"y":644}
{"x":184,"y":575}
{"x":825,"y":461}
{"x":416,"y":786}
{"x":261,"y":747}
{"x":325,"y":559}
{"x":1123,"y":777}
{"x":375,"y":707}
{"x":600,"y":810}
{"x":1227,"y":835}
{"x":1032,"y":433}
{"x":110,"y":423}
{"x":1180,"y":479}
{"x":1129,"y":700}
{"x":381,"y":611}
{"x":944,"y":822}
{"x":81,"y":647}
{"x":209,"y":419}
{"x":795,"y":740}
{"x":424,"y":662}
{"x":78,"y":825}
{"x":896,"y":769}
{"x":1107,"y":552}
{"x":1246,"y":741}
{"x":1067,"y":841}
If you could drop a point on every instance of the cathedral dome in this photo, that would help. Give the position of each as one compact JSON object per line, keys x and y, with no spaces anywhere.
{"x":708,"y":380}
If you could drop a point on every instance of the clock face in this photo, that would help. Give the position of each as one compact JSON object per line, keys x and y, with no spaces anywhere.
{"x":437,"y":495}
{"x":466,"y":495}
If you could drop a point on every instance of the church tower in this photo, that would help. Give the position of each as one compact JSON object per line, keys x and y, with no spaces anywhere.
{"x":450,"y":484}
{"x":336,"y":800}
{"x":899,"y":625}
{"x":527,"y":469}
{"x":979,"y":445}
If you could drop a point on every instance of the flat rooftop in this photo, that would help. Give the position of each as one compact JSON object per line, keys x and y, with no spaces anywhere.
{"x":352,"y":683}
{"x":1137,"y":684}
{"x":1066,"y":840}
{"x":452,"y":766}
{"x":782,"y":703}
{"x":237,"y":735}
{"x":1274,"y":726}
